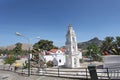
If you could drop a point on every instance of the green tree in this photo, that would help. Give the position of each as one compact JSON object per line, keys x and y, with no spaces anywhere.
{"x":1,"y":51}
{"x":6,"y":51}
{"x":94,"y":51}
{"x":44,"y":45}
{"x":10,"y":60}
{"x":116,"y":46}
{"x":118,"y":40}
{"x":107,"y":44}
{"x":111,"y":46}
{"x":18,"y":49}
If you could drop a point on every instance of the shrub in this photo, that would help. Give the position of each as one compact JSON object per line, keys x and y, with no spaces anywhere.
{"x":50,"y":64}
{"x":25,"y":65}
{"x":10,"y":60}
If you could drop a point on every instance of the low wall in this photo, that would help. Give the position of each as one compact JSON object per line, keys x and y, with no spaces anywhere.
{"x":111,"y":61}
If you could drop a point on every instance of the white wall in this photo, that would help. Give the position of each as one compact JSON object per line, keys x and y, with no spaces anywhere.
{"x":61,"y":59}
{"x":48,"y":58}
{"x":80,"y":55}
{"x":111,"y":61}
{"x":58,"y":59}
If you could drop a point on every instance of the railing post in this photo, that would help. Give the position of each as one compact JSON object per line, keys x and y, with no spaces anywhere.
{"x":22,"y":70}
{"x":58,"y":71}
{"x":86,"y":74}
{"x":92,"y":71}
{"x":31,"y":71}
{"x":108,"y":74}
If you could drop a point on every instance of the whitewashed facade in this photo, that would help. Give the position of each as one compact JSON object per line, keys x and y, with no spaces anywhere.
{"x":58,"y":59}
{"x":73,"y":56}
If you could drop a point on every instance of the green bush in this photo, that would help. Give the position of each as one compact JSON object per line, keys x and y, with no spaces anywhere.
{"x":25,"y":65}
{"x":50,"y":64}
{"x":99,"y":58}
{"x":81,"y":60}
{"x":10,"y":60}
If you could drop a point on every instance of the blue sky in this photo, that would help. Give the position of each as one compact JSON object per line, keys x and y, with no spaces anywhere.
{"x":49,"y":19}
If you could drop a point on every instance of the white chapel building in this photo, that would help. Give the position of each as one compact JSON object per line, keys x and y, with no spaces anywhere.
{"x":71,"y":56}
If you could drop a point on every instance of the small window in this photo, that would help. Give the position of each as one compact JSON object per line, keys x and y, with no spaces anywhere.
{"x":58,"y":51}
{"x":73,"y":39}
{"x":73,"y":47}
{"x":60,"y":60}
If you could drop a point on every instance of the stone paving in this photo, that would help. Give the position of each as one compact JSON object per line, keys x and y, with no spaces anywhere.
{"x":7,"y":75}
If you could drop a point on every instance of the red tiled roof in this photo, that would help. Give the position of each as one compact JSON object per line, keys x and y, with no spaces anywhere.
{"x":55,"y":50}
{"x":63,"y":50}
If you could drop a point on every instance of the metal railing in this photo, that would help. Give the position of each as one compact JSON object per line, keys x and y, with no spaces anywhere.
{"x":78,"y":73}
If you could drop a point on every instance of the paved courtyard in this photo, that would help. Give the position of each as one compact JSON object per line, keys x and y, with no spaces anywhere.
{"x":7,"y":75}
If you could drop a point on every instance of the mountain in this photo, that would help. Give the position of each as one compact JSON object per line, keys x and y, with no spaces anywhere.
{"x":84,"y":45}
{"x":10,"y":47}
{"x":81,"y":45}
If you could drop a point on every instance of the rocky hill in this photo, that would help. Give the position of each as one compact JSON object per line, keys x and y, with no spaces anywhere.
{"x":81,"y":45}
{"x":10,"y":47}
{"x":84,"y":45}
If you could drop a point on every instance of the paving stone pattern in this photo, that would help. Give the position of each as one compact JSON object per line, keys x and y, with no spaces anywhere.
{"x":7,"y":75}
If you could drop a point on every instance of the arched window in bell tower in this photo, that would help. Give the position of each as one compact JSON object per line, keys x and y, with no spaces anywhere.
{"x":73,"y":39}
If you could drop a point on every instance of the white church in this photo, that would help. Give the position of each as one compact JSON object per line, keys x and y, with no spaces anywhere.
{"x":71,"y":57}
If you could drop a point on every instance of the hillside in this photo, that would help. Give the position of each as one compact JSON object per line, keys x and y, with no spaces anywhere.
{"x":81,"y":45}
{"x":10,"y":47}
{"x":84,"y":45}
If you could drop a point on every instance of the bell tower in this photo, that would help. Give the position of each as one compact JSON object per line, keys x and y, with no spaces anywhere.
{"x":72,"y":53}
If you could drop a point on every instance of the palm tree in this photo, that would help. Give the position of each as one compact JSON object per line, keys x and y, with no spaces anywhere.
{"x":118,"y":40}
{"x":107,"y":44}
{"x":117,"y":45}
